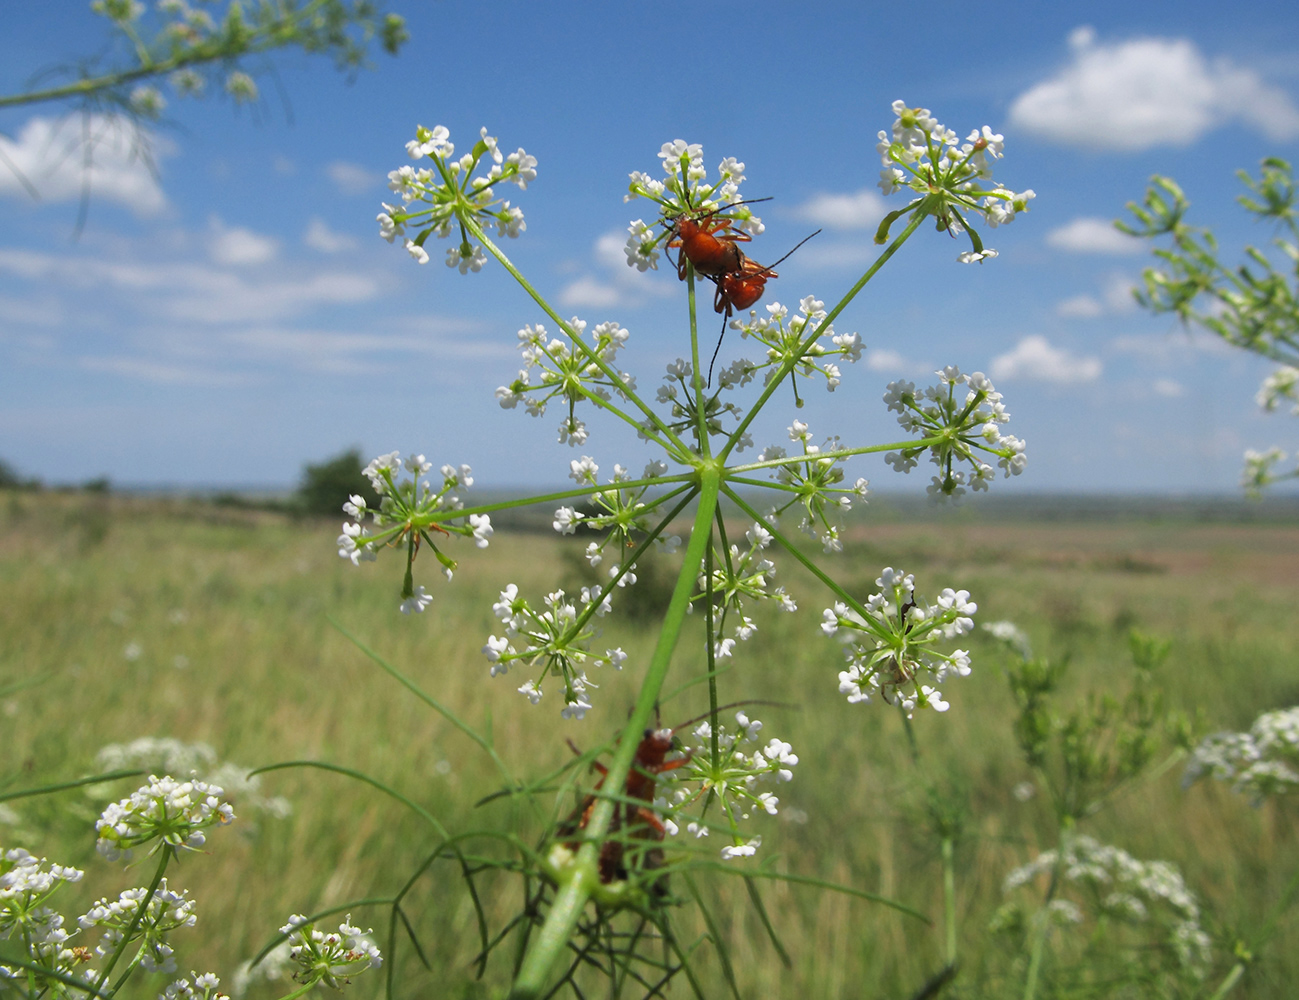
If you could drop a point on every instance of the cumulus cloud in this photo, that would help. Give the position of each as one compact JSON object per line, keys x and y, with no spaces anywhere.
{"x":320,"y":237}
{"x":618,"y":285}
{"x":351,"y":178}
{"x":1114,"y":297}
{"x":192,"y":292}
{"x":238,"y":247}
{"x":1034,"y":358}
{"x":1146,"y":92}
{"x":163,"y":372}
{"x":1167,"y":387}
{"x":884,"y":359}
{"x":837,"y":255}
{"x":1080,"y":307}
{"x":1094,"y":236}
{"x":588,"y":293}
{"x":1116,"y":293}
{"x":52,"y":155}
{"x":860,"y":210}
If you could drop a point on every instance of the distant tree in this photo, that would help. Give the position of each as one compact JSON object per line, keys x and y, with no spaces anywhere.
{"x":325,"y":487}
{"x":10,"y":480}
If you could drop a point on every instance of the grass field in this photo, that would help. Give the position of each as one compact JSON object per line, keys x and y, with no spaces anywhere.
{"x":136,"y":617}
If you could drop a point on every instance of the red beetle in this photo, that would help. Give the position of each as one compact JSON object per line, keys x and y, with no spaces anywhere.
{"x":709,"y":244}
{"x":650,"y":761}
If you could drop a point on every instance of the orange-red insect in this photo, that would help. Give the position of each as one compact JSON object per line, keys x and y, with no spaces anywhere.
{"x":743,"y":288}
{"x":709,"y":244}
{"x":740,"y":289}
{"x":649,"y":762}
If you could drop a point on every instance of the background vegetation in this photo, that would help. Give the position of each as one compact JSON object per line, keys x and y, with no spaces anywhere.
{"x":125,"y":617}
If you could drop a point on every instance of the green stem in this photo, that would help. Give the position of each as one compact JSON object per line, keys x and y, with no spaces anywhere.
{"x":164,"y":857}
{"x":789,"y":363}
{"x":216,"y":48}
{"x":701,"y":405}
{"x":301,"y":991}
{"x":1229,"y":983}
{"x":949,"y":898}
{"x":582,"y":875}
{"x":793,"y":550}
{"x":711,"y":640}
{"x":573,"y":494}
{"x":1043,"y":927}
{"x":871,"y":449}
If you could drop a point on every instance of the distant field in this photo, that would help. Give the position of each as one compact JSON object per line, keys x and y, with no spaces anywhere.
{"x":172,"y":618}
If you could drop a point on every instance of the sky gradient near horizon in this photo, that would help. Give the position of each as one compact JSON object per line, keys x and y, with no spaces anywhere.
{"x":234,"y":315}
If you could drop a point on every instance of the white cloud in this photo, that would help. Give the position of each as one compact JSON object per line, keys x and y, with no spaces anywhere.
{"x":163,"y":373}
{"x":837,"y":256}
{"x":1167,"y":387}
{"x":320,"y":237}
{"x":884,"y":359}
{"x":1114,"y":298}
{"x":238,"y":247}
{"x":860,"y":210}
{"x":1094,"y":236}
{"x":46,"y":311}
{"x":51,"y":155}
{"x":1080,"y":307}
{"x":1116,"y":292}
{"x":1147,"y":92}
{"x":197,"y":293}
{"x":622,"y":286}
{"x":588,"y":293}
{"x":1035,"y":359}
{"x":351,"y":178}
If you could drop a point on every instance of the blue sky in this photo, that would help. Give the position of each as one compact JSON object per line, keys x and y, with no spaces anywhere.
{"x":237,"y":315}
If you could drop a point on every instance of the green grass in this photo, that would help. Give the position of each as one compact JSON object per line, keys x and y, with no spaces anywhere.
{"x":231,"y":611}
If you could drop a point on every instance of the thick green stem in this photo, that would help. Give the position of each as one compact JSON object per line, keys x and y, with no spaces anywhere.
{"x":582,"y":874}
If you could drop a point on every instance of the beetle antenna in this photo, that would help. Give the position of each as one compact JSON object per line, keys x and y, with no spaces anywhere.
{"x":709,"y":383}
{"x":791,"y":253}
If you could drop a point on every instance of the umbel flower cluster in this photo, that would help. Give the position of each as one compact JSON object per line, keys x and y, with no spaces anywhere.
{"x":173,"y":813}
{"x":686,"y":191}
{"x":329,"y":957}
{"x":953,"y":178}
{"x":153,"y":915}
{"x":409,"y":509}
{"x":1260,"y":764}
{"x":1114,"y":885}
{"x":135,"y":929}
{"x":962,"y":425}
{"x":891,"y":650}
{"x":450,"y":189}
{"x":735,"y":782}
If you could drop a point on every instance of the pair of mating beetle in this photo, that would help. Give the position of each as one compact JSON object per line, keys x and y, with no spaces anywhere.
{"x":711,"y":245}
